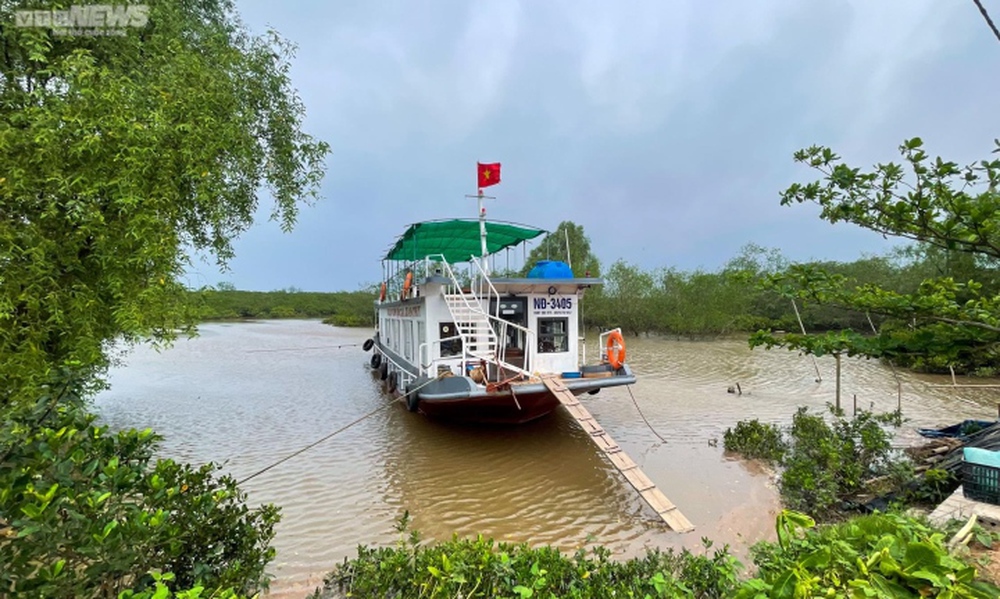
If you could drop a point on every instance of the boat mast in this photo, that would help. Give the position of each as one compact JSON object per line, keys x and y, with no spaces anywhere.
{"x":484,"y":252}
{"x":482,"y":229}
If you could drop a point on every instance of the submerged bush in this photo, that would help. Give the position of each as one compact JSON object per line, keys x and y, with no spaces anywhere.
{"x":829,"y":464}
{"x":824,"y":464}
{"x":755,"y":440}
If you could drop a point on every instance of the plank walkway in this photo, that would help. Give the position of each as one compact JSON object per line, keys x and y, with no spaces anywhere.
{"x":663,"y":507}
{"x":958,"y":507}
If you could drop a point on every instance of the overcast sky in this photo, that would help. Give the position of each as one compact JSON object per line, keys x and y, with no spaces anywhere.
{"x":665,"y":128}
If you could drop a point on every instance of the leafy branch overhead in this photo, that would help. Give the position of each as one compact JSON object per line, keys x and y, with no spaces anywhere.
{"x":937,"y":202}
{"x":934,"y":202}
{"x":122,"y":153}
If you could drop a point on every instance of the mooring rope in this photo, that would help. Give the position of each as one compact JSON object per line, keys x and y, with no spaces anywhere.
{"x":314,"y":444}
{"x":251,"y":351}
{"x":629,"y":387}
{"x":334,"y":433}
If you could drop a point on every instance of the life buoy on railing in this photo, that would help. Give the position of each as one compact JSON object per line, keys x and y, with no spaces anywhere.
{"x":381,"y":293}
{"x":407,"y":283}
{"x":616,"y":349}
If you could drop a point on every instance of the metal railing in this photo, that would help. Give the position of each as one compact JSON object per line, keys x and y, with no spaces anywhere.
{"x":603,"y":343}
{"x":479,"y":285}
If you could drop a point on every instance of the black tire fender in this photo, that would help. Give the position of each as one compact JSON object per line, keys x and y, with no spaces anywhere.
{"x":383,"y":372}
{"x":376,"y":361}
{"x":368,"y":344}
{"x":393,"y":382}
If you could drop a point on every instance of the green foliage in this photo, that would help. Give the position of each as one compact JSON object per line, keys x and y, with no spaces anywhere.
{"x":755,"y":440}
{"x":85,"y":512}
{"x":625,"y":299}
{"x":828,"y":465}
{"x":823,"y":464}
{"x":554,"y":247}
{"x":354,"y":308}
{"x":119,"y":154}
{"x":162,"y":590}
{"x":882,"y":555}
{"x":732,"y":299}
{"x":932,"y":488}
{"x":481,"y":567}
{"x":953,"y":317}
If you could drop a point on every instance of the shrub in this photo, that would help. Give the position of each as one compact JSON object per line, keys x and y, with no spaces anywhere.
{"x":85,"y":512}
{"x":823,"y":464}
{"x":756,"y":440}
{"x":481,"y":567}
{"x":881,"y":555}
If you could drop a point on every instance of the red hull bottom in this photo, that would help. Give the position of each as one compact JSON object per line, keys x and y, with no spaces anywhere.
{"x":498,"y":408}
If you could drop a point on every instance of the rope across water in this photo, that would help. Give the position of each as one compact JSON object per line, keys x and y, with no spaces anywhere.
{"x":331,"y":435}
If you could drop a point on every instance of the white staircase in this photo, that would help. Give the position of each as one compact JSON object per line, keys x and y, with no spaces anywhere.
{"x":473,"y":321}
{"x":473,"y":324}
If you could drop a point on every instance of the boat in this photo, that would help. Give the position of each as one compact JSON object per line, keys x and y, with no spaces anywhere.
{"x":960,"y":431}
{"x":455,"y":342}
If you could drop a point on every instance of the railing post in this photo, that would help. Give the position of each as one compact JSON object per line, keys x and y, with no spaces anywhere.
{"x":838,"y":382}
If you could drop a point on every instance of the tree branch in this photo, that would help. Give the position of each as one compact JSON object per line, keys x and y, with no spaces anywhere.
{"x":989,"y":21}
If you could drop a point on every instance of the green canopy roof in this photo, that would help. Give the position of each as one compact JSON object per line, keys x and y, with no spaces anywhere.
{"x":458,"y":239}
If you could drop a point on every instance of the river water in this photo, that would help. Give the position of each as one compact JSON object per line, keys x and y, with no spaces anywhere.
{"x":247,"y":394}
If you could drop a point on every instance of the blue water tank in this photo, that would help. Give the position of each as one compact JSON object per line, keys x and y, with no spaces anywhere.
{"x":550,"y":269}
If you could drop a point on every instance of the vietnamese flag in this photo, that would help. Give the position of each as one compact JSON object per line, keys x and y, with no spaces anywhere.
{"x":489,"y":174}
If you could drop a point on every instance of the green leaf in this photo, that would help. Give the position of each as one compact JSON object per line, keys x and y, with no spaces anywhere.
{"x":784,"y":586}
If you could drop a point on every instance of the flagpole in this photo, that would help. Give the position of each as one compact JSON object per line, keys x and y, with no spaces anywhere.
{"x":482,"y":225}
{"x":482,"y":209}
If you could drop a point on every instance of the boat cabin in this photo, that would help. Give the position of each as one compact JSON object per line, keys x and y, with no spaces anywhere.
{"x":436,"y":318}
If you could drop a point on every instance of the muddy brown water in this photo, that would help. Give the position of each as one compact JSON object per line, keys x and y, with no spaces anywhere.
{"x":247,"y":394}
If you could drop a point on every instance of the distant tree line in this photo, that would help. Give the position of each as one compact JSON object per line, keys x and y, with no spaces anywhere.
{"x":341,"y":308}
{"x":732,"y":300}
{"x":666,"y":300}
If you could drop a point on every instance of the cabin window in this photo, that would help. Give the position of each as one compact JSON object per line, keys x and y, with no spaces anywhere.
{"x":420,"y":341}
{"x":408,"y":340}
{"x":452,"y":347}
{"x":553,"y":335}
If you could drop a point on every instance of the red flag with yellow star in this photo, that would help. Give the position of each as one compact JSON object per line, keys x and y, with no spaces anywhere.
{"x":489,"y":174}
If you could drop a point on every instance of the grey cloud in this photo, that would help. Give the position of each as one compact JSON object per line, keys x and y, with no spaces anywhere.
{"x":666,"y":129}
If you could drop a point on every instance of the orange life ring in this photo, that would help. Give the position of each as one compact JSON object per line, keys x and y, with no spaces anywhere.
{"x":406,"y":286}
{"x":616,"y":350}
{"x":381,"y":293}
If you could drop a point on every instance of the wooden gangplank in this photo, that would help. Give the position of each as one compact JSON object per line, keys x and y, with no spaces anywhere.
{"x":633,"y":474}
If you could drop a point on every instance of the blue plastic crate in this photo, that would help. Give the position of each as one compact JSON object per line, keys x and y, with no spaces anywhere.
{"x":981,"y":482}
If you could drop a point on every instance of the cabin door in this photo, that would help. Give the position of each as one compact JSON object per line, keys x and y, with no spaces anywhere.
{"x":515,"y":311}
